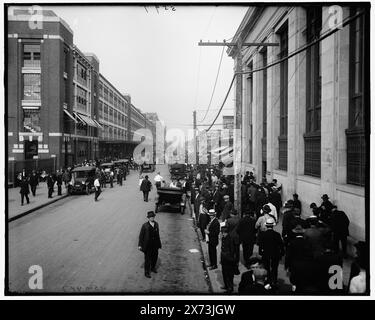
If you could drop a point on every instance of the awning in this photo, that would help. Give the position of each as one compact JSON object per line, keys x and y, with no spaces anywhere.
{"x":79,"y":118}
{"x":70,"y":115}
{"x":99,"y":125}
{"x":86,"y":120}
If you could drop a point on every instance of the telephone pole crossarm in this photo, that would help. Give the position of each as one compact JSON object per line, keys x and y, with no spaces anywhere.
{"x":233,"y":44}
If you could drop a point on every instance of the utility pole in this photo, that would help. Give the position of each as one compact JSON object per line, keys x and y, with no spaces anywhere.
{"x":237,"y":148}
{"x":195,"y":135}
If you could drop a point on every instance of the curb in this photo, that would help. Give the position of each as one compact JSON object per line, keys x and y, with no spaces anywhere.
{"x":203,"y":257}
{"x":36,"y":208}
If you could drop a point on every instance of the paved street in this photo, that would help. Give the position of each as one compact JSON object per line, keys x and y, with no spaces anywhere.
{"x":83,"y":246}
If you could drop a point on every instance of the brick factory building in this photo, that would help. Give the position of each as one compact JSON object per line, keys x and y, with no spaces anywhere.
{"x":61,"y":110}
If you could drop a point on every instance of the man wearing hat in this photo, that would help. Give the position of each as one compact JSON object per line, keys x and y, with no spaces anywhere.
{"x":228,"y":207}
{"x":212,"y":237}
{"x":326,"y":208}
{"x":232,"y":224}
{"x":203,"y":218}
{"x":271,"y":248}
{"x":228,"y":259}
{"x":315,"y":210}
{"x":266,"y":214}
{"x":298,"y":247}
{"x":149,"y":243}
{"x":247,"y":234}
{"x":316,"y":235}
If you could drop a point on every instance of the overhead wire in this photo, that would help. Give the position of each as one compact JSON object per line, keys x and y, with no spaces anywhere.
{"x":303,"y":48}
{"x":213,"y":90}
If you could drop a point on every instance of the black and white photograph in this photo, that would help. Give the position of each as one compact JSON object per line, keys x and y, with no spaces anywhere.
{"x":187,"y":149}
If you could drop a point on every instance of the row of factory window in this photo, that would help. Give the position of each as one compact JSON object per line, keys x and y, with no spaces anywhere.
{"x":109,"y":114}
{"x":112,"y":133}
{"x":111,"y":97}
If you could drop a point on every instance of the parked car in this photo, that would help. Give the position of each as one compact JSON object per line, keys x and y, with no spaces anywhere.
{"x":177,"y":171}
{"x":147,"y":167}
{"x":108,"y":166}
{"x":82,"y":180}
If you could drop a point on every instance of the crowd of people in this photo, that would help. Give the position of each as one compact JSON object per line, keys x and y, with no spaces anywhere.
{"x":307,"y":247}
{"x":30,"y":180}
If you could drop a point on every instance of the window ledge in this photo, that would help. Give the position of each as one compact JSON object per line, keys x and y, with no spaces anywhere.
{"x":348,"y":188}
{"x":31,"y":70}
{"x":31,"y":103}
{"x":280,"y":172}
{"x":309,"y":179}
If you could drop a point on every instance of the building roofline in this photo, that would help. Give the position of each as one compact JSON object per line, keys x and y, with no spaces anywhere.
{"x":248,"y":22}
{"x":112,"y":86}
{"x":90,"y":54}
{"x":26,"y":17}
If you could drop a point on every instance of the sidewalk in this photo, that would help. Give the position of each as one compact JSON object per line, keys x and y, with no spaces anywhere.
{"x":15,"y":210}
{"x":285,"y":287}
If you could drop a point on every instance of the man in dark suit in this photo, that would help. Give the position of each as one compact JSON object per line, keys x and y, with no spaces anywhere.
{"x":212,"y":231}
{"x":340,"y":228}
{"x":24,"y":191}
{"x":299,"y":248}
{"x":33,"y":181}
{"x":50,"y":184}
{"x":325,"y":209}
{"x":228,"y":207}
{"x":146,"y":186}
{"x":149,"y":243}
{"x":59,"y":182}
{"x":228,"y":259}
{"x":232,"y":224}
{"x":247,"y":234}
{"x":271,"y":248}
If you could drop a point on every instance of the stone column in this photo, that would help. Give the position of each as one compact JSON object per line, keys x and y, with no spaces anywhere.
{"x":329,"y":110}
{"x":257,"y":117}
{"x":273,"y":107}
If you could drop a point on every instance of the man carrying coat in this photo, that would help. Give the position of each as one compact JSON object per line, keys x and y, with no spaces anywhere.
{"x":149,"y":243}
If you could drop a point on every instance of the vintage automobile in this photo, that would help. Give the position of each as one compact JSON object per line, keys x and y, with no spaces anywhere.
{"x":82,"y":180}
{"x":177,"y":171}
{"x":108,"y":166}
{"x":173,"y":197}
{"x":147,"y":167}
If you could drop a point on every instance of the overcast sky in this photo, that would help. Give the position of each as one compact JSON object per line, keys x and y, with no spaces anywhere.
{"x":155,"y":57}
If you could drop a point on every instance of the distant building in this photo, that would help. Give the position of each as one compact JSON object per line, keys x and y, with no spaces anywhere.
{"x":228,"y":122}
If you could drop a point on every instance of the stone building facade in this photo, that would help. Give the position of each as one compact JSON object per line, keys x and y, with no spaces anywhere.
{"x":304,"y":120}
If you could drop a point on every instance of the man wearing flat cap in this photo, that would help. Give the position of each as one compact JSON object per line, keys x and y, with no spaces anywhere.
{"x":149,"y":243}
